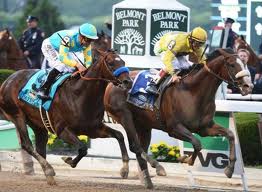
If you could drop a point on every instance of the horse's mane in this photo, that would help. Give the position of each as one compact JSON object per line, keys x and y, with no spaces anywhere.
{"x":214,"y":54}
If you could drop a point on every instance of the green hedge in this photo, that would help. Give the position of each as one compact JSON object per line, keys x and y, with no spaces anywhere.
{"x":4,"y":73}
{"x":247,"y":128}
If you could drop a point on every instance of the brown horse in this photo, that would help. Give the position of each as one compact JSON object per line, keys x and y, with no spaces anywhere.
{"x":11,"y":56}
{"x":253,"y":60}
{"x":186,"y":107}
{"x":77,"y":109}
{"x":103,"y":42}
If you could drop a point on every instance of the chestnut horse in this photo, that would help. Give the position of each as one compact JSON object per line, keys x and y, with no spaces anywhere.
{"x":186,"y":107}
{"x":253,"y":60}
{"x":11,"y":56}
{"x":77,"y":109}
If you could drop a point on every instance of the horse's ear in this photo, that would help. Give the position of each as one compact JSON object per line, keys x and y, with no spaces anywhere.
{"x":242,"y":37}
{"x":223,"y":52}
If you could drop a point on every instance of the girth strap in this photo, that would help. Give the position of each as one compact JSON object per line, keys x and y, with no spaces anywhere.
{"x":46,"y":120}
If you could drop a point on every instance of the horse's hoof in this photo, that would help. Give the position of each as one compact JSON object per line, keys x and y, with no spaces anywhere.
{"x":160,"y":171}
{"x":50,"y":180}
{"x":148,"y":183}
{"x":67,"y":160}
{"x":124,"y":172}
{"x":228,"y":172}
{"x":182,"y":159}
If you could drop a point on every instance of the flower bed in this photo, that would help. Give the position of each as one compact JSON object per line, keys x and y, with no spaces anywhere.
{"x":164,"y":152}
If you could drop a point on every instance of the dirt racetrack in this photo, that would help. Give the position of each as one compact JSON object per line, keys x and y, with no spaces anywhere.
{"x":18,"y":182}
{"x":99,"y":174}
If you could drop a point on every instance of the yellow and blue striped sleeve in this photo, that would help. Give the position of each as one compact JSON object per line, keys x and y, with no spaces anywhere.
{"x":65,"y":57}
{"x":87,"y":56}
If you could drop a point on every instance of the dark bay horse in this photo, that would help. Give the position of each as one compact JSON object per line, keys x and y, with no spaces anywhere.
{"x":186,"y":107}
{"x":11,"y":56}
{"x":253,"y":60}
{"x":103,"y":42}
{"x":77,"y":109}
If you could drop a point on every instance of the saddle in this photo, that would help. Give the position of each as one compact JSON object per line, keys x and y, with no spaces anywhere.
{"x":28,"y":93}
{"x":139,"y":97}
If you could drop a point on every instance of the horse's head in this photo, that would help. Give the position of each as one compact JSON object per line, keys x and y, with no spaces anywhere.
{"x":236,"y":72}
{"x":103,"y":42}
{"x":113,"y":68}
{"x":240,"y":43}
{"x":5,"y":36}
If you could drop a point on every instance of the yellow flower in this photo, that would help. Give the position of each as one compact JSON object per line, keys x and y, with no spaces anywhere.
{"x":50,"y":141}
{"x":171,"y":153}
{"x":154,"y":145}
{"x":154,"y":149}
{"x":177,"y":155}
{"x":52,"y":136}
{"x":83,"y":138}
{"x":162,"y":144}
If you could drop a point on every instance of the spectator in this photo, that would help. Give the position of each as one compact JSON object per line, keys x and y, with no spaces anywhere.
{"x":243,"y":55}
{"x":258,"y":77}
{"x":231,"y":34}
{"x":31,"y":42}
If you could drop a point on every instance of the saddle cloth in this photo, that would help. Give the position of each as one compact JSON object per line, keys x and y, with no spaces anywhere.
{"x":137,"y":94}
{"x":28,"y":92}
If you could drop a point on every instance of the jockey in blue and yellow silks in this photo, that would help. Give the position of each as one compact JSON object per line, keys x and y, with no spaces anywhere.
{"x":58,"y":49}
{"x":173,"y":48}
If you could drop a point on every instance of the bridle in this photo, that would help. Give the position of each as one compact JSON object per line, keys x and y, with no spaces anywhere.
{"x":114,"y":74}
{"x":233,"y":78}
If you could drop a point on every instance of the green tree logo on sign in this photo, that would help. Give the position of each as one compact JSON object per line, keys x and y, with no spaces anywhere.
{"x":128,"y":38}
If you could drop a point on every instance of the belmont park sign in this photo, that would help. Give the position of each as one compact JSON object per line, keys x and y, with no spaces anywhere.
{"x":164,"y":21}
{"x":138,"y":25}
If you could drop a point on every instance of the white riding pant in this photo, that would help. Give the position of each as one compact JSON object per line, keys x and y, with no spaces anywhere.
{"x":180,"y":62}
{"x":52,"y":56}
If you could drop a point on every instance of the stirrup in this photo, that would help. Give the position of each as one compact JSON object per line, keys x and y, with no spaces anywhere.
{"x":42,"y":95}
{"x":152,"y":89}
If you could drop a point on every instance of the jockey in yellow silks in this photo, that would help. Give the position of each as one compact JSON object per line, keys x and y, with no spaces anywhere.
{"x":58,"y":49}
{"x":173,"y":48}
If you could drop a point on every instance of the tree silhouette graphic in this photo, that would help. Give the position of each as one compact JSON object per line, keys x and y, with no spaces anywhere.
{"x":129,"y":37}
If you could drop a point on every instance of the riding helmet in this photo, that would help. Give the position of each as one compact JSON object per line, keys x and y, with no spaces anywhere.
{"x":199,"y":34}
{"x":88,"y":30}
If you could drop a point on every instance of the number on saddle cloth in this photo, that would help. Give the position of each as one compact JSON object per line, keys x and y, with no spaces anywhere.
{"x":137,"y":95}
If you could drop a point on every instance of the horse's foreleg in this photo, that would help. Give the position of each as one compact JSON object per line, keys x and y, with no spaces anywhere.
{"x":71,"y":138}
{"x":217,"y":130}
{"x":145,"y":138}
{"x":107,"y":132}
{"x":41,"y":138}
{"x":134,"y":145}
{"x":182,"y":133}
{"x":26,"y":144}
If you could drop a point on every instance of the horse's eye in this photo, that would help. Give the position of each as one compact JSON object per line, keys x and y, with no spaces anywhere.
{"x":232,"y":65}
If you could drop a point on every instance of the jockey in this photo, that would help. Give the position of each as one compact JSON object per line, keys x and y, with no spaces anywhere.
{"x":173,"y":48}
{"x":58,"y":49}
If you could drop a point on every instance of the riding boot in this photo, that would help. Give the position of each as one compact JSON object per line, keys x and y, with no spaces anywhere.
{"x":153,"y":85}
{"x":43,"y":92}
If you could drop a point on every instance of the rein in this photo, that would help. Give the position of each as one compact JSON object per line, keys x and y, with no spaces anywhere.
{"x":114,"y":80}
{"x":232,"y":82}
